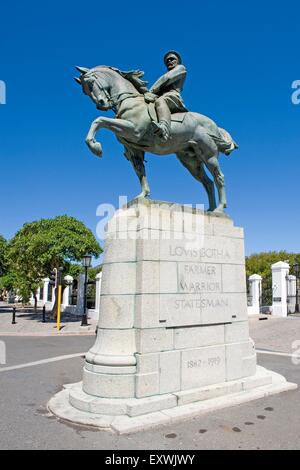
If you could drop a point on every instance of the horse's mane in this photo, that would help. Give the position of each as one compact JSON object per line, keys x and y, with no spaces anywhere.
{"x":134,"y":77}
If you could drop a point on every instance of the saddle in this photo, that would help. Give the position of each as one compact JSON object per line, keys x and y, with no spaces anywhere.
{"x":176,"y":117}
{"x":150,"y":133}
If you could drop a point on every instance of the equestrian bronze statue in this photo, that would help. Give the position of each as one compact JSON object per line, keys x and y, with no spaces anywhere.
{"x":157,"y":121}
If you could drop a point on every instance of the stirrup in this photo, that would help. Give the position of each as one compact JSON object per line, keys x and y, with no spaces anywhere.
{"x":163,"y":130}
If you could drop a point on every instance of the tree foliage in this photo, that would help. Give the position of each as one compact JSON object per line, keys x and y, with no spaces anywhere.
{"x":75,"y":270}
{"x":41,"y":246}
{"x":3,"y":255}
{"x":260,"y":263}
{"x":8,"y":281}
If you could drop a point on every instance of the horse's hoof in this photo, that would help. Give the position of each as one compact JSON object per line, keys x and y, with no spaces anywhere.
{"x":97,"y":150}
{"x":219,"y":210}
{"x":95,"y":147}
{"x":143,"y":196}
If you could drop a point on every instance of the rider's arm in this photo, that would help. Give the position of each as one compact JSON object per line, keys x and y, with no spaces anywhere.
{"x":172,"y":76}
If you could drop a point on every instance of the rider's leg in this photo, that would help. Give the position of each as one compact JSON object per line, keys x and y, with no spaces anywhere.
{"x":164,"y":117}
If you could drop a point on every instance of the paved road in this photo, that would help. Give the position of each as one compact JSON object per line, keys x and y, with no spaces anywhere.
{"x":271,"y":423}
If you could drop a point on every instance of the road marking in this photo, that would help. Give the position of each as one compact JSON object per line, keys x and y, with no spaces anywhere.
{"x":43,"y":361}
{"x":71,"y":356}
{"x":276,"y":353}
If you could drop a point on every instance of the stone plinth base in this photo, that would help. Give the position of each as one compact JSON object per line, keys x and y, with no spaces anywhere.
{"x":136,"y":414}
{"x":173,"y":335}
{"x":173,"y":304}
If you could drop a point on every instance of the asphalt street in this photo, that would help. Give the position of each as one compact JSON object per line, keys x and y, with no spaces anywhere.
{"x":270,"y":423}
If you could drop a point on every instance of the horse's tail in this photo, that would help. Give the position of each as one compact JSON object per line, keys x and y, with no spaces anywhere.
{"x":225,"y":142}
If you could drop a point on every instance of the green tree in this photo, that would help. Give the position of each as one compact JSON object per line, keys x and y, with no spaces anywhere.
{"x":260,"y":263}
{"x":75,"y":269}
{"x":3,"y":254}
{"x":8,"y":281}
{"x":41,"y":246}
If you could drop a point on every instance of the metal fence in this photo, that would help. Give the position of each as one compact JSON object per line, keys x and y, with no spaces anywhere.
{"x":91,"y":295}
{"x":266,"y":294}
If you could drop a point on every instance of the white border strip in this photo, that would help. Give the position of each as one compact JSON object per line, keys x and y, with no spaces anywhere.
{"x":82,"y":354}
{"x":43,"y":361}
{"x":276,"y":353}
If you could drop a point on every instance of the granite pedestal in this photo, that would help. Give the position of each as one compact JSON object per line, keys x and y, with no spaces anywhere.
{"x":173,"y":338}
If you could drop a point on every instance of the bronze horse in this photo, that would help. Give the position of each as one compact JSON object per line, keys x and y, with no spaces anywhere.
{"x":195,"y":139}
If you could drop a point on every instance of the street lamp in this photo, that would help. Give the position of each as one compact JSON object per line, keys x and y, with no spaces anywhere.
{"x":296,"y":271}
{"x":86,"y":263}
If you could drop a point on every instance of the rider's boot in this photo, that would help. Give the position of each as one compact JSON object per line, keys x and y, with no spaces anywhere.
{"x":164,"y":130}
{"x":164,"y":119}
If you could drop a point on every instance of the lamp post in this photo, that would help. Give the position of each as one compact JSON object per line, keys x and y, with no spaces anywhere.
{"x":86,"y":263}
{"x":296,"y":271}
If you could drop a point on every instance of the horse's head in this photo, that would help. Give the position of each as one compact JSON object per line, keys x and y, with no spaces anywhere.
{"x":96,"y":86}
{"x":105,"y":84}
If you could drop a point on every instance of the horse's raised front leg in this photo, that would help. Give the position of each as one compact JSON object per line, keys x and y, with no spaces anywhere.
{"x":120,"y":127}
{"x":136,"y":157}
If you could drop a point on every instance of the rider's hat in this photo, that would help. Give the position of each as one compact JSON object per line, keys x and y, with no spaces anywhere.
{"x":174,"y":53}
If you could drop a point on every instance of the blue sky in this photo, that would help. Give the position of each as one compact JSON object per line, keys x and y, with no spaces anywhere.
{"x":241,"y":57}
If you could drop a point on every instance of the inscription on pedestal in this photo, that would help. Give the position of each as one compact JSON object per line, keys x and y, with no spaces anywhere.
{"x":199,"y":294}
{"x":205,"y":254}
{"x":199,"y":277}
{"x":198,"y":282}
{"x":186,"y":309}
{"x":211,"y":361}
{"x":208,"y":249}
{"x":200,"y":303}
{"x":203,"y":366}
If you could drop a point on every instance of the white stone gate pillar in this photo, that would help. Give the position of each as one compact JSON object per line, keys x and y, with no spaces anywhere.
{"x":98,"y":292}
{"x":255,"y":293}
{"x":280,"y":271}
{"x":31,"y":300}
{"x":45,"y":290}
{"x":291,"y":292}
{"x":67,"y":291}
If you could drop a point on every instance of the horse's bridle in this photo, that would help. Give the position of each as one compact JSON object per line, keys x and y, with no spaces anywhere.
{"x":115,"y":101}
